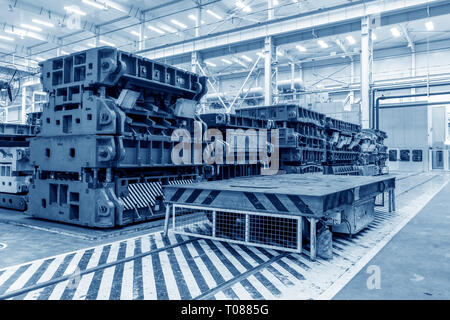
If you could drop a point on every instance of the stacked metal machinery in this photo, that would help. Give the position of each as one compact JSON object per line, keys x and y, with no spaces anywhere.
{"x":374,"y":153}
{"x":15,"y":166}
{"x":343,"y":148}
{"x":302,"y":139}
{"x":104,"y":146}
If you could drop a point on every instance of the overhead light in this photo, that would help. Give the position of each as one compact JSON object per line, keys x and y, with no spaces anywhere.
{"x":239,"y":62}
{"x":429,"y":25}
{"x":156,"y":29}
{"x":275,"y":2}
{"x":194,"y":18}
{"x":395,"y":32}
{"x":210,"y":64}
{"x":246,"y":58}
{"x":215,"y":15}
{"x":243,"y":6}
{"x":95,"y":4}
{"x":350,"y":39}
{"x":260,"y":54}
{"x":300,"y":48}
{"x":6,"y":38}
{"x":135,"y":33}
{"x":64,"y":52}
{"x":107,"y":43}
{"x":168,"y":28}
{"x":280,"y":53}
{"x":44,"y":23}
{"x":40,"y":59}
{"x":27,"y":26}
{"x":374,"y":36}
{"x":90,"y":44}
{"x":178,"y":23}
{"x":322,"y":43}
{"x":227,"y":61}
{"x":75,"y":10}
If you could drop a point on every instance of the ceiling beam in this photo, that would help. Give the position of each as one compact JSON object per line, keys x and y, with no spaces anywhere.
{"x":324,"y":22}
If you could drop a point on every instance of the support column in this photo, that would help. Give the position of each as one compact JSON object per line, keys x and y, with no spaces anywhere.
{"x":413,"y":69}
{"x":141,"y":44}
{"x":194,"y":61}
{"x":366,"y":70}
{"x":97,"y":36}
{"x":268,"y":60}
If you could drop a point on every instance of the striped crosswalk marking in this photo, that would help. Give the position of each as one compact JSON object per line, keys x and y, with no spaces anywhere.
{"x":83,"y":287}
{"x":128,"y":273}
{"x":148,"y":280}
{"x":71,"y":269}
{"x":108,"y":274}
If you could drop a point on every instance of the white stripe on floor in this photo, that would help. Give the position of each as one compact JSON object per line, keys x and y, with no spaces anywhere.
{"x":148,"y":278}
{"x":85,"y":282}
{"x":128,"y":273}
{"x":24,"y":277}
{"x":46,"y":276}
{"x":191,"y":283}
{"x":72,"y":268}
{"x":201,"y":266}
{"x":104,"y":290}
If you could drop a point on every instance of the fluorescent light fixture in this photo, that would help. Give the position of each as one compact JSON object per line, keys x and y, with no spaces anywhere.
{"x":135,"y":33}
{"x":239,"y":62}
{"x":280,"y":53}
{"x":6,"y":38}
{"x":260,"y":54}
{"x":90,"y":44}
{"x":194,"y":18}
{"x":429,"y":25}
{"x":246,"y":58}
{"x":275,"y":2}
{"x":107,"y":43}
{"x":168,"y":28}
{"x":215,"y":15}
{"x":156,"y":29}
{"x":73,"y":9}
{"x":395,"y":32}
{"x":350,"y":39}
{"x":40,"y":59}
{"x":322,"y":43}
{"x":64,"y":52}
{"x":178,"y":23}
{"x":95,"y":4}
{"x":374,"y":36}
{"x":301,"y":48}
{"x":44,"y":23}
{"x":27,"y":26}
{"x":210,"y":64}
{"x":227,"y":61}
{"x":243,"y":6}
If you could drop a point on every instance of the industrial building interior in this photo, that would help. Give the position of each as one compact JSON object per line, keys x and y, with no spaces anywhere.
{"x":224,"y":150}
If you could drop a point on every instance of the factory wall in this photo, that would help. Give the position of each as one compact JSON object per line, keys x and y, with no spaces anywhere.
{"x":407,"y":129}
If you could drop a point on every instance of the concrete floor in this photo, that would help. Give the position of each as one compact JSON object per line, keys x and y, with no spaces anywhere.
{"x":415,"y":264}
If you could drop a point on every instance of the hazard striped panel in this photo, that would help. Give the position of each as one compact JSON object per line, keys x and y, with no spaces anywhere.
{"x":144,"y":195}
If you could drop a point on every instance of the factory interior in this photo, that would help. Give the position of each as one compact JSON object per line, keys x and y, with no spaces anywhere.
{"x":224,"y":150}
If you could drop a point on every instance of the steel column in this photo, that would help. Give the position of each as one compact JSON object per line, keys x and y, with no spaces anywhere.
{"x":366,"y":69}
